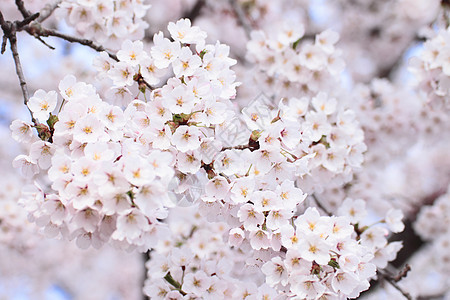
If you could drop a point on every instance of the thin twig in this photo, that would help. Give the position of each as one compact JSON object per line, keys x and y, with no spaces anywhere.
{"x":44,"y":42}
{"x":37,"y":30}
{"x":48,"y":10}
{"x":432,"y":297}
{"x":19,"y":71}
{"x":194,"y":12}
{"x":146,"y":257}
{"x":5,"y":28}
{"x":9,"y":31}
{"x":4,"y":40}
{"x":239,"y":147}
{"x":403,"y":273}
{"x":21,"y":6}
{"x":320,"y":205}
{"x":20,"y":75}
{"x":243,"y":21}
{"x":26,"y":21}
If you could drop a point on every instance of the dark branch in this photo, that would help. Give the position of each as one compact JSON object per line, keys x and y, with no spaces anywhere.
{"x":21,"y":6}
{"x":389,"y":70}
{"x":19,"y":71}
{"x":195,"y":10}
{"x":44,"y":42}
{"x":403,"y":273}
{"x":6,"y":28}
{"x":243,"y":21}
{"x":48,"y":10}
{"x":320,"y":205}
{"x":145,"y":257}
{"x":432,"y":297}
{"x":26,"y":21}
{"x":9,"y":33}
{"x":4,"y":41}
{"x":410,"y":240}
{"x":240,"y":147}
{"x":38,"y":31}
{"x":389,"y":279}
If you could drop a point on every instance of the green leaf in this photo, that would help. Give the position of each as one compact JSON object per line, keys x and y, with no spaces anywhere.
{"x":295,"y":44}
{"x":172,"y":281}
{"x":334,"y":264}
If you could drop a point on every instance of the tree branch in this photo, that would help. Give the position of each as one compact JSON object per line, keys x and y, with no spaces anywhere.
{"x":402,"y":274}
{"x":44,"y":42}
{"x":194,"y":12}
{"x":9,"y":33}
{"x":37,"y":30}
{"x":145,"y":257}
{"x":21,"y":6}
{"x":48,"y":10}
{"x":26,"y":21}
{"x":19,"y":71}
{"x":386,"y":277}
{"x":410,"y":240}
{"x":243,"y":21}
{"x":5,"y":27}
{"x":432,"y":297}
{"x":239,"y":147}
{"x":320,"y":205}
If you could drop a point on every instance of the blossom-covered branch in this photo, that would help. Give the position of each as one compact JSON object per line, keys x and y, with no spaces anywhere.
{"x":291,"y":184}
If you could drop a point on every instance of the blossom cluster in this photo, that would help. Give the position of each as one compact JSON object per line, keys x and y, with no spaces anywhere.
{"x":202,"y":76}
{"x":106,"y":22}
{"x":26,"y":254}
{"x":386,"y":110}
{"x":307,"y":255}
{"x":389,"y":112}
{"x":112,"y":162}
{"x":430,"y":266}
{"x":193,"y":104}
{"x":312,"y":124}
{"x":104,"y":180}
{"x":376,"y":34}
{"x":292,"y":62}
{"x":332,"y":257}
{"x":433,"y":225}
{"x":432,"y":69}
{"x":110,"y":168}
{"x":195,"y":261}
{"x":16,"y":232}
